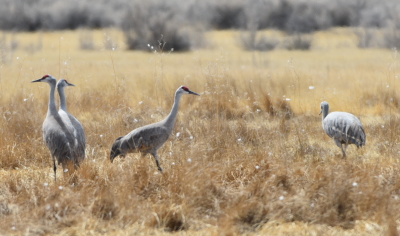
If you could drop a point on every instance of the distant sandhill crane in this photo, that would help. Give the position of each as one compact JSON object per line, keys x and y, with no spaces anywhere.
{"x":59,"y":140}
{"x":343,"y":127}
{"x":149,"y":138}
{"x":73,"y":124}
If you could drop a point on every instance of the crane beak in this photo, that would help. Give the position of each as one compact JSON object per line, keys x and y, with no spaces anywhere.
{"x":191,"y":92}
{"x":69,"y":84}
{"x":38,"y":80}
{"x":320,"y":112}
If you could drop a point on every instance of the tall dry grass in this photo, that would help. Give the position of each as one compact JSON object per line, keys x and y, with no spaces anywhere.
{"x":246,"y":157}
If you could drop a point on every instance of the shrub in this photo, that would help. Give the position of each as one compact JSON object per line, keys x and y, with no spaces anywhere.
{"x":182,"y":22}
{"x":307,"y":18}
{"x":86,"y":40}
{"x":374,"y":17}
{"x":3,"y":50}
{"x":280,"y":15}
{"x":25,"y":15}
{"x":109,"y":42}
{"x":145,"y":23}
{"x":348,"y":13}
{"x":250,"y":41}
{"x":391,"y":38}
{"x":379,"y":33}
{"x":367,"y":38}
{"x":227,"y":14}
{"x":297,"y":42}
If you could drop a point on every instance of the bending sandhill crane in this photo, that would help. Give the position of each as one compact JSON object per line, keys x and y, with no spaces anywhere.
{"x":75,"y":126}
{"x":59,"y":140}
{"x":149,"y":138}
{"x":343,"y":127}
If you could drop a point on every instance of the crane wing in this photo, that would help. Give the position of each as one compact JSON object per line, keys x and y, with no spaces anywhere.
{"x":80,"y":135}
{"x":147,"y":138}
{"x":76,"y":129}
{"x":57,"y":141}
{"x":345,"y":128}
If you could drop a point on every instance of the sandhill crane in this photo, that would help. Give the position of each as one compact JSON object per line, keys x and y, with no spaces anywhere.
{"x":149,"y":138}
{"x":75,"y":126}
{"x":343,"y":127}
{"x":59,"y":140}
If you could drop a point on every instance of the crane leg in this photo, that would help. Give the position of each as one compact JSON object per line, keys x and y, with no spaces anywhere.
{"x":343,"y":150}
{"x":54,"y":168}
{"x":76,"y":164}
{"x":339,"y":144}
{"x":157,"y":163}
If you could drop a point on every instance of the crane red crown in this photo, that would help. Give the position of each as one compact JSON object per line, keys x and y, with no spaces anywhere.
{"x":185,"y":88}
{"x":44,"y":76}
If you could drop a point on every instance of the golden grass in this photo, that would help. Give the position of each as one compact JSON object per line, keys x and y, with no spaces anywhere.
{"x":250,"y":158}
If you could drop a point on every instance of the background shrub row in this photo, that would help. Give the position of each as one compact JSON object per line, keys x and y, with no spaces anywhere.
{"x":183,"y":21}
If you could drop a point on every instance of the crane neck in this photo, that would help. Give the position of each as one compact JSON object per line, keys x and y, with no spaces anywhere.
{"x":170,"y":119}
{"x":52,"y":104}
{"x":325,"y":111}
{"x":63,"y":102}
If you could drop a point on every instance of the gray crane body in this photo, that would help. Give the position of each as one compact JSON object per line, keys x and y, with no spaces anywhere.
{"x":344,"y":128}
{"x":72,"y":124}
{"x":56,"y":134}
{"x":149,"y":138}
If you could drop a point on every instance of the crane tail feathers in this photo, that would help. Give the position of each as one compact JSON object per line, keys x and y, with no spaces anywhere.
{"x":357,"y":136}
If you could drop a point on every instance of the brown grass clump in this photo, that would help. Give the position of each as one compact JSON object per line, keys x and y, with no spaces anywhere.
{"x":246,"y":157}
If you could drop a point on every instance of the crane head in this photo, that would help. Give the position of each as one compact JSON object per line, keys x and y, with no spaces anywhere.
{"x":185,"y":90}
{"x":324,"y":106}
{"x":63,"y":83}
{"x":45,"y":78}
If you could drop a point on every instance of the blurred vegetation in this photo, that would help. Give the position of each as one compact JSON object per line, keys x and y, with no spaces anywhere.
{"x":182,"y":23}
{"x":246,"y":157}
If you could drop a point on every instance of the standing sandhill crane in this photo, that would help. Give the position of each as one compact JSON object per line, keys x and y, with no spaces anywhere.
{"x":59,"y":140}
{"x":149,"y":138}
{"x":74,"y":125}
{"x":343,"y":127}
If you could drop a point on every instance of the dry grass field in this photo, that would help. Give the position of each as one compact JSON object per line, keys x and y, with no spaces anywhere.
{"x":248,"y":156}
